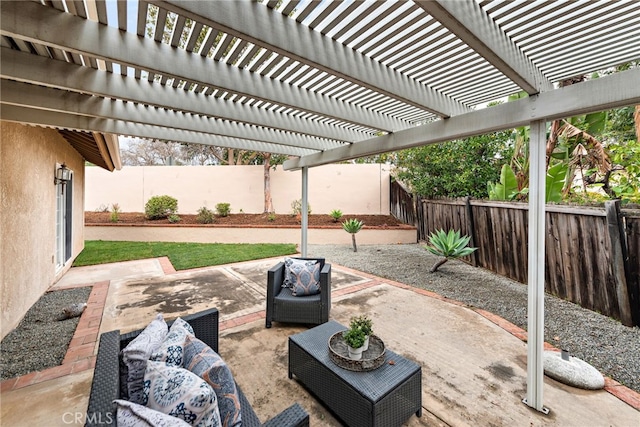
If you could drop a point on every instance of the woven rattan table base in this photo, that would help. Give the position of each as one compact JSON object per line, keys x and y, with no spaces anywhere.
{"x":386,"y":396}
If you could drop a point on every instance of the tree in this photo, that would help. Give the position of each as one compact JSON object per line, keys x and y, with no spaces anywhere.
{"x":149,"y":152}
{"x":455,"y":168}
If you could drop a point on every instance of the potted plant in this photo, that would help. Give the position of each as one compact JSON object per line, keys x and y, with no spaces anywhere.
{"x":354,"y":338}
{"x":365,"y":324}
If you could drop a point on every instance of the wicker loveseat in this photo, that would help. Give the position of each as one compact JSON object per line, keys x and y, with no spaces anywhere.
{"x":106,"y":378}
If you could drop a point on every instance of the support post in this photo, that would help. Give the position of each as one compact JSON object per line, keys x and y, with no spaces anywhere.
{"x":305,"y":211}
{"x":535,"y":325}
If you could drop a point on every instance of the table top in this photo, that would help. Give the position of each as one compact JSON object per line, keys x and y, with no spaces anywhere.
{"x":373,"y":384}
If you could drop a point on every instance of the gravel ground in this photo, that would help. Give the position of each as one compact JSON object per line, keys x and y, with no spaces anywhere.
{"x":41,"y":340}
{"x":604,"y":343}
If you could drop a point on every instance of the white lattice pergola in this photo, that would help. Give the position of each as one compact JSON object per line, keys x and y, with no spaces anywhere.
{"x":322,"y":81}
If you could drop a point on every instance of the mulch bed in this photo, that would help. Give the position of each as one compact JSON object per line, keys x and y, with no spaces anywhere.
{"x":382,"y":221}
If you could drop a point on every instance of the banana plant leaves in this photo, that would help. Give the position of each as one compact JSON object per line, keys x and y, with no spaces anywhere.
{"x":507,"y":188}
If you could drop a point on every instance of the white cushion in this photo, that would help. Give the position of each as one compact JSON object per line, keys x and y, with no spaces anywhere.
{"x":136,"y":355}
{"x":133,"y":415}
{"x":171,"y":351}
{"x":180,"y":393}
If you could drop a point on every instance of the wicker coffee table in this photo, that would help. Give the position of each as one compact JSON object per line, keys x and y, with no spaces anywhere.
{"x":386,"y":396}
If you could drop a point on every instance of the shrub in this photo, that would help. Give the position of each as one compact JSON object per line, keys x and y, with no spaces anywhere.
{"x":173,"y":218}
{"x":336,"y":214}
{"x":205,"y":216}
{"x":102,"y":208}
{"x":296,"y":207}
{"x":115,"y":212}
{"x":223,"y":209}
{"x":160,"y":207}
{"x":271,"y":217}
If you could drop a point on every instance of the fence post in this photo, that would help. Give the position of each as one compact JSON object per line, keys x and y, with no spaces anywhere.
{"x":618,"y":260}
{"x":472,"y":230}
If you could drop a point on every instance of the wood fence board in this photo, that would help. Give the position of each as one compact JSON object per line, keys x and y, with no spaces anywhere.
{"x":554,"y":285}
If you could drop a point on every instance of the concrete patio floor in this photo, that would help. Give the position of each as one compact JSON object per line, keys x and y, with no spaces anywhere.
{"x":473,"y":363}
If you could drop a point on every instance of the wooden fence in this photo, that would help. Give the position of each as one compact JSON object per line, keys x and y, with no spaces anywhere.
{"x":591,"y":254}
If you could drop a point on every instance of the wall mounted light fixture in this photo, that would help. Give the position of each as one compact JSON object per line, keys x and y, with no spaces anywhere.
{"x":63,"y":175}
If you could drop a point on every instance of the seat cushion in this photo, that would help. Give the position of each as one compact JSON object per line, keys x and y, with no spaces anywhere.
{"x":137,"y":353}
{"x":302,"y":276}
{"x":200,"y":359}
{"x":286,"y":295}
{"x":181,"y":394}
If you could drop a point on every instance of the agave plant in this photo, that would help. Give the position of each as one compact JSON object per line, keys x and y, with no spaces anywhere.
{"x":352,"y":226}
{"x":448,"y":245}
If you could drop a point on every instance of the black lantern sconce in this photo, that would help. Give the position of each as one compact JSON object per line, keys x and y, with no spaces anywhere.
{"x":63,"y":175}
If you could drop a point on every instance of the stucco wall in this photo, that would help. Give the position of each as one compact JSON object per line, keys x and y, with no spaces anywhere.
{"x":354,"y":189}
{"x":28,"y":157}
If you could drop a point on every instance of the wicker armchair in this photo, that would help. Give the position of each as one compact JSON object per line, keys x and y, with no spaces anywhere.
{"x":283,"y":306}
{"x":106,"y":378}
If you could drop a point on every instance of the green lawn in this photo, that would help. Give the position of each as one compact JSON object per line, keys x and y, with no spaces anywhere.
{"x":183,"y":256}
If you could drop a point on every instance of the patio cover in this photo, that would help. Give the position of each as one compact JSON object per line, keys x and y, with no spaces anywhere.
{"x":322,"y":81}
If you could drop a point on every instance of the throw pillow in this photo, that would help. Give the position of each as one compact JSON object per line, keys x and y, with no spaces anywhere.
{"x":302,"y":276}
{"x":200,"y":359}
{"x":181,"y":394}
{"x":136,"y":354}
{"x":171,"y":349}
{"x":131,"y":414}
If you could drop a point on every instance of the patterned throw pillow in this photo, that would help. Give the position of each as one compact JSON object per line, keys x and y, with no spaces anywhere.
{"x":133,"y":415}
{"x":172,"y":348}
{"x":181,"y":394}
{"x":302,"y":276}
{"x":200,"y":359}
{"x":136,"y":355}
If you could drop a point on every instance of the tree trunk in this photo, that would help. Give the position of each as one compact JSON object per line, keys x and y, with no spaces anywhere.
{"x":268,"y":201}
{"x":438,"y":264}
{"x":353,"y":240}
{"x":553,"y":139}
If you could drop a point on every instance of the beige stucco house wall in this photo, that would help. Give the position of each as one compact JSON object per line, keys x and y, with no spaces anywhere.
{"x":28,"y":159}
{"x":352,"y":188}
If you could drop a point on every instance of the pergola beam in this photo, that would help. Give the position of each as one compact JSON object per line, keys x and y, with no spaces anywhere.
{"x":614,"y":91}
{"x":32,"y":96}
{"x":475,"y":28}
{"x":43,"y":71}
{"x":257,"y":24}
{"x":54,"y":119}
{"x":40,"y":24}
